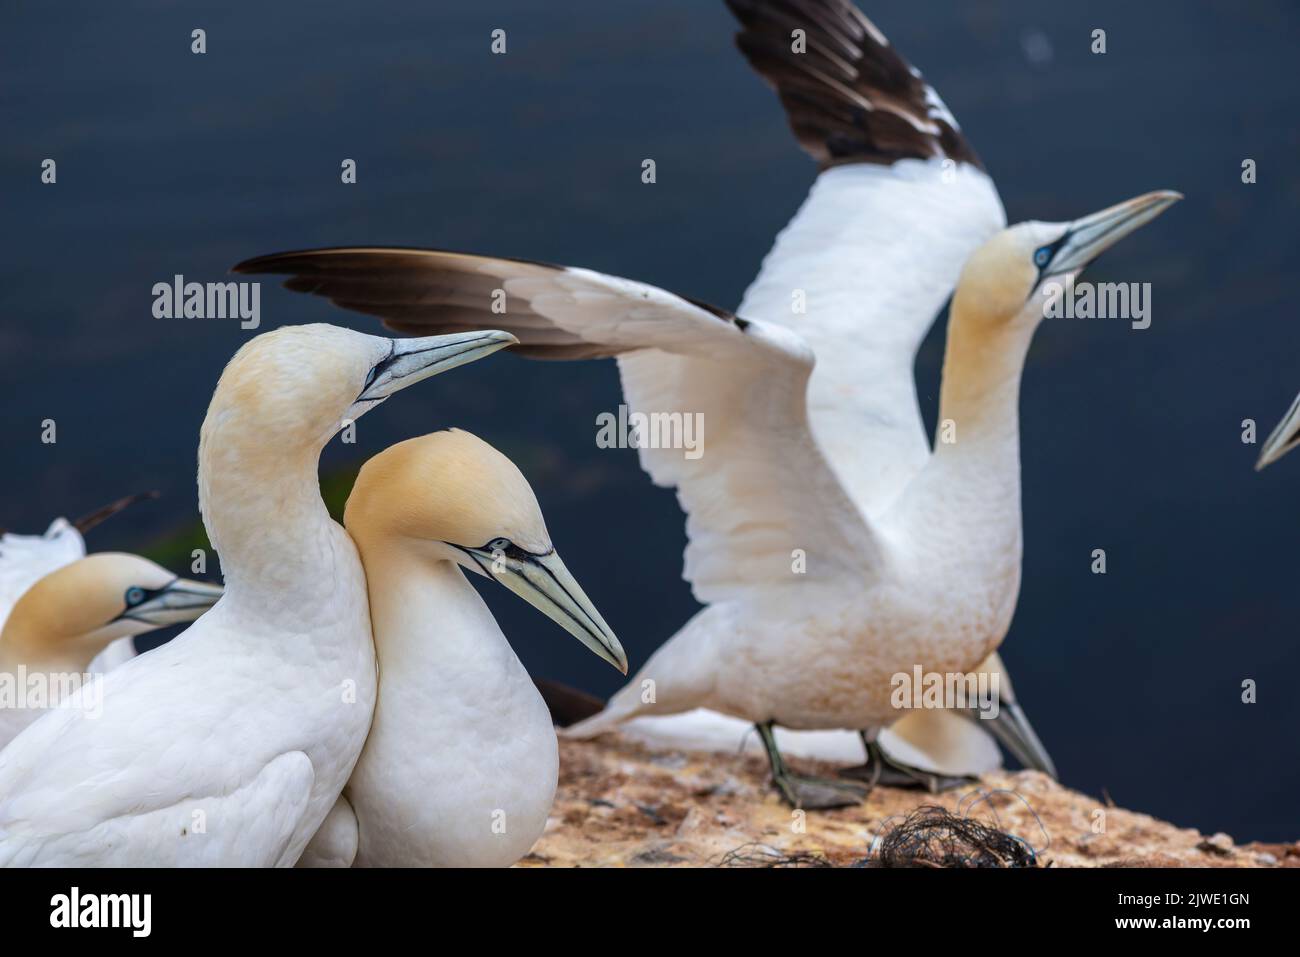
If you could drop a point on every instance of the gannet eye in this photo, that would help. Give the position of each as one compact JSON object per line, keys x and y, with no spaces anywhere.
{"x":1043,"y":256}
{"x":134,"y":595}
{"x":499,"y":544}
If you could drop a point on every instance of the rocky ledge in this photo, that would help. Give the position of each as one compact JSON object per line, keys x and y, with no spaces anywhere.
{"x":622,"y":803}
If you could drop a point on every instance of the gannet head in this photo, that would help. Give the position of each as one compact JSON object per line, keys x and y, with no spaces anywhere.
{"x":1284,"y":438}
{"x":77,"y":610}
{"x":294,"y":387}
{"x":455,"y":498}
{"x":1008,"y":278}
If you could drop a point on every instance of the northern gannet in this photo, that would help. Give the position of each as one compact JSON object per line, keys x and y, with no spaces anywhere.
{"x":908,"y":556}
{"x":24,"y":559}
{"x":230,"y":744}
{"x":461,"y":763}
{"x":61,"y":624}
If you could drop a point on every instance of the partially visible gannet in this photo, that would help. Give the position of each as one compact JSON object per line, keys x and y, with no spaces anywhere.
{"x":1284,"y":437}
{"x":64,"y":621}
{"x":461,"y":763}
{"x":24,"y":559}
{"x":229,"y":745}
{"x":833,"y":548}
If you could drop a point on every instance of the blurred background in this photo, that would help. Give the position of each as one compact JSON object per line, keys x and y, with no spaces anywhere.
{"x":172,"y":163}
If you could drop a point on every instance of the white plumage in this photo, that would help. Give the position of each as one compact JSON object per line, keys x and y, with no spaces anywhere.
{"x":460,"y":766}
{"x":229,"y":745}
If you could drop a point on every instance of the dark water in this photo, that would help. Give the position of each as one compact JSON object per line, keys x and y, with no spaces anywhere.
{"x":174,"y":163}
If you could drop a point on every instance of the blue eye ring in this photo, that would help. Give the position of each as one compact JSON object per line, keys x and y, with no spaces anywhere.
{"x":134,"y":595}
{"x":1043,"y":256}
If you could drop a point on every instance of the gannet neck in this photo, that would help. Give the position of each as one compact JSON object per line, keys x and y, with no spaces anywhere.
{"x":23,"y":643}
{"x":980,"y":391}
{"x":410,"y":593}
{"x":264,"y":515}
{"x":971,"y":485}
{"x":19,"y":645}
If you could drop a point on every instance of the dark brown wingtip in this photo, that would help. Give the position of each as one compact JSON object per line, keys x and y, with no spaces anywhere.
{"x":249,"y":265}
{"x":273,"y":263}
{"x":850,"y":97}
{"x":99,"y":515}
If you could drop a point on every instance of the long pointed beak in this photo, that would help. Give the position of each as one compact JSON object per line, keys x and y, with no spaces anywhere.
{"x":181,"y":601}
{"x":1283,"y":439}
{"x":1089,"y":237}
{"x":544,"y":582}
{"x":1013,"y":729}
{"x":412,"y":360}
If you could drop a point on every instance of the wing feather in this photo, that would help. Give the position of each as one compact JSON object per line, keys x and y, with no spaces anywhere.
{"x":868,"y":261}
{"x":758,"y":490}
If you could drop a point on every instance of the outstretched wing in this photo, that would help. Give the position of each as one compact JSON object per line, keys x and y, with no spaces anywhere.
{"x":754,"y":485}
{"x":874,"y":252}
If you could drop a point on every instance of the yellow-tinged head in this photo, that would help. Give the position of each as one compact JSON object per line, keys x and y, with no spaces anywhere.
{"x":292,"y":388}
{"x":1002,"y":281}
{"x":447,"y":487}
{"x":74,"y":612}
{"x":452,"y":497}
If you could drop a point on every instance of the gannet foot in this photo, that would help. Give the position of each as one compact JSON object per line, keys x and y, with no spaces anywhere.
{"x":819,"y":794}
{"x":885,"y":771}
{"x":809,"y":793}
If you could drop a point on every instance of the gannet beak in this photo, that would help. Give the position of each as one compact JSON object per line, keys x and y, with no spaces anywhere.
{"x":181,"y":601}
{"x":1087,"y":238}
{"x":544,"y":582}
{"x":1013,"y":729}
{"x":412,"y":360}
{"x":1284,"y":438}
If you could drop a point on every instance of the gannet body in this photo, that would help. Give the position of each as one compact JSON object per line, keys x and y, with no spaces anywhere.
{"x":229,"y":745}
{"x":461,"y":763}
{"x":832,"y":549}
{"x":62,"y":624}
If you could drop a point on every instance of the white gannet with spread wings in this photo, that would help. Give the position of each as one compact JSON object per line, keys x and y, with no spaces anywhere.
{"x":832,"y":549}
